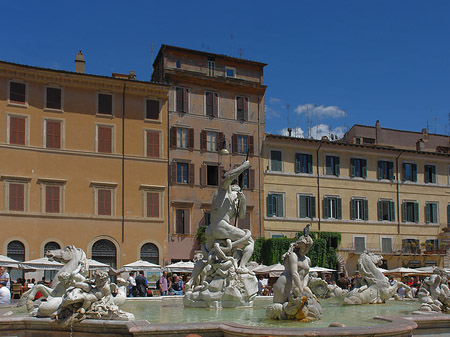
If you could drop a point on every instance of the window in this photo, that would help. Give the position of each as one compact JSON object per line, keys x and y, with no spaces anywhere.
{"x":307,"y":206}
{"x":209,"y":175}
{"x":150,"y":253}
{"x":385,"y":170}
{"x":409,"y":172}
{"x":359,"y":209}
{"x":16,"y":192}
{"x":332,"y":166}
{"x":52,"y":198}
{"x":358,"y":167}
{"x":152,"y":204}
{"x":386,"y":245}
{"x":53,"y":134}
{"x":182,"y":100}
{"x":178,"y":64}
{"x":104,"y":104}
{"x":242,"y":108}
{"x":182,"y":138}
{"x":332,"y":208}
{"x":152,"y":109}
{"x":410,"y":246}
{"x":230,"y":72}
{"x":275,"y":205}
{"x":360,"y":244}
{"x":430,"y":174}
{"x":17,"y":130}
{"x":182,"y":221}
{"x":152,"y":143}
{"x":211,"y":67}
{"x":242,"y":144}
{"x":182,"y":173}
{"x":17,"y":92}
{"x":245,"y":223}
{"x":432,"y":245}
{"x":211,"y":141}
{"x":248,"y":179}
{"x":53,"y":98}
{"x":104,"y":201}
{"x":431,"y":210}
{"x":104,"y":139}
{"x":211,"y":99}
{"x":303,"y":163}
{"x":410,"y":211}
{"x":276,"y":163}
{"x":386,"y":210}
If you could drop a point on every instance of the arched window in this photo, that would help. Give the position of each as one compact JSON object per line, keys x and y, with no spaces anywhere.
{"x":16,"y":251}
{"x":52,"y":245}
{"x":150,"y":253}
{"x":105,"y":251}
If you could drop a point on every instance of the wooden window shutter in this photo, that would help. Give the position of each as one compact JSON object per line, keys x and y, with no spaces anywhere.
{"x":303,"y":206}
{"x":203,"y":140}
{"x":203,"y":175}
{"x":220,"y":141}
{"x":403,"y":171}
{"x":191,"y":174}
{"x":179,"y":99}
{"x":328,"y":165}
{"x":209,"y":104}
{"x":191,"y":139}
{"x":16,"y":197}
{"x":364,"y":168}
{"x":326,"y":208}
{"x":17,"y":130}
{"x":352,"y":209}
{"x":365,"y":210}
{"x":251,"y":179}
{"x":104,"y":139}
{"x":416,"y":212}
{"x":186,"y":222}
{"x":215,"y":104}
{"x":251,"y":145}
{"x":53,"y":134}
{"x":152,"y":144}
{"x":173,"y":172}
{"x":240,"y":103}
{"x":391,"y":170}
{"x":152,"y":204}
{"x":309,"y":164}
{"x":186,"y":100}
{"x":339,"y":208}
{"x":173,"y":137}
{"x":179,"y":221}
{"x":433,"y":174}
{"x":246,"y":108}
{"x":380,"y":170}
{"x":104,"y":202}
{"x":234,"y":143}
{"x":392,"y":211}
{"x":269,"y":205}
{"x":414,"y":172}
{"x":52,"y":199}
{"x":404,"y":212}
{"x":448,"y":214}
{"x":352,"y":167}
{"x":337,"y":169}
{"x":312,"y":204}
{"x":380,"y":210}
{"x":428,"y":213}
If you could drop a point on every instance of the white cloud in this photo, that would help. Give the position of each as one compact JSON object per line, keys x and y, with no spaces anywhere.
{"x":296,"y":132}
{"x":274,"y":100}
{"x":321,"y":111}
{"x":317,"y":132}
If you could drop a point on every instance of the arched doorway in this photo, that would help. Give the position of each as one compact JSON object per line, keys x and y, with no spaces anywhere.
{"x":105,"y":251}
{"x":16,"y":251}
{"x":150,"y":253}
{"x":52,"y":245}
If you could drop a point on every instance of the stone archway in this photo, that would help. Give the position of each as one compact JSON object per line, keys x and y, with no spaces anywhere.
{"x":105,"y":251}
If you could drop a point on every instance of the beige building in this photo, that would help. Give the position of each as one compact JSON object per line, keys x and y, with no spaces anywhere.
{"x":381,"y":198}
{"x":83,"y":162}
{"x":216,"y":102}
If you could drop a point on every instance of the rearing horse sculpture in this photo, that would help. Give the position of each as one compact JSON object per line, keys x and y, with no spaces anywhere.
{"x":75,"y":269}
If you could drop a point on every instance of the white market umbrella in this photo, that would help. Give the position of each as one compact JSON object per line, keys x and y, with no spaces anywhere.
{"x":42,"y":263}
{"x":181,"y":267}
{"x":140,"y":265}
{"x":258,"y":268}
{"x":95,"y":265}
{"x":273,"y":270}
{"x":321,"y":270}
{"x":404,"y":271}
{"x":8,"y":262}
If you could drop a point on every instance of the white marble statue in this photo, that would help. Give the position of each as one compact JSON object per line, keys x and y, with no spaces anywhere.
{"x":434,"y":293}
{"x":221,"y":278}
{"x":321,"y":288}
{"x":377,"y":288}
{"x":72,"y":296}
{"x":292,"y":298}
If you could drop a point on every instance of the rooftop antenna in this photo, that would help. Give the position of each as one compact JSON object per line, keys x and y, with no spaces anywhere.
{"x":152,"y":60}
{"x":288,"y":121}
{"x":428,"y":127}
{"x":435,"y":120}
{"x":231,"y":42}
{"x":308,"y":122}
{"x":345,"y":120}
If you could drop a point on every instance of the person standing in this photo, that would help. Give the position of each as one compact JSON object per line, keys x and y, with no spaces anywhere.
{"x":342,"y":281}
{"x":164,"y":284}
{"x":132,"y":291}
{"x":5,"y":294}
{"x":141,"y":285}
{"x":4,"y":277}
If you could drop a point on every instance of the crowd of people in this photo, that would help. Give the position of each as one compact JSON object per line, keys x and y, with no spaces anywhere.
{"x":166,"y":285}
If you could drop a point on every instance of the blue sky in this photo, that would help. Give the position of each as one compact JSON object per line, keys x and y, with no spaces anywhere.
{"x":346,"y":62}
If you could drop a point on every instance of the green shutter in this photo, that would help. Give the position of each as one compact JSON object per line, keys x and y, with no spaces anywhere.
{"x":416,"y":212}
{"x":404,"y":216}
{"x":426,"y":175}
{"x":297,"y":162}
{"x":303,"y":205}
{"x":414,"y":172}
{"x":391,"y":170}
{"x":380,"y":170}
{"x":269,"y":205}
{"x":433,"y":174}
{"x":313,"y":207}
{"x":326,"y":208}
{"x":380,"y":211}
{"x":339,"y":208}
{"x":403,"y":171}
{"x":364,"y":168}
{"x":352,"y":167}
{"x":392,"y":209}
{"x":352,"y":209}
{"x":365,"y":209}
{"x":280,"y":205}
{"x":435,"y":213}
{"x":337,"y":169}
{"x":309,"y":158}
{"x":427,"y":212}
{"x":328,"y":165}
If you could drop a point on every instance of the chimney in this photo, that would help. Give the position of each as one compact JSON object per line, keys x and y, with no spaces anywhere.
{"x":132,"y":75}
{"x":290,"y":132}
{"x":79,"y":63}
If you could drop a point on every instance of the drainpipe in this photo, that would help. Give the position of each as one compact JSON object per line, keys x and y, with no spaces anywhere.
{"x":318,"y":185}
{"x":398,"y":191}
{"x":259,"y":170}
{"x":123,"y":162}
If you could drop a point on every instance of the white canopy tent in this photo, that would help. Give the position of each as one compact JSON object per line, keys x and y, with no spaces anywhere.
{"x":321,"y":270}
{"x":42,"y":263}
{"x":95,"y":265}
{"x":141,"y":265}
{"x":8,"y":262}
{"x":180,"y":267}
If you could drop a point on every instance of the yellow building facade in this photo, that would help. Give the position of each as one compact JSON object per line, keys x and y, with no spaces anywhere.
{"x":382,"y":199}
{"x":83,"y":162}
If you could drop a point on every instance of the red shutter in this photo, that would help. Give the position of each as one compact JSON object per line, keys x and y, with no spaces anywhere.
{"x":191,"y":139}
{"x":16,"y":197}
{"x":153,"y":205}
{"x":240,"y":103}
{"x":152,"y":144}
{"x":17,"y":130}
{"x":245,"y":108}
{"x":203,"y":175}
{"x":173,"y":137}
{"x":209,"y":104}
{"x":173,"y":173}
{"x":251,"y":145}
{"x":179,"y":100}
{"x":191,"y":174}
{"x":187,"y":220}
{"x":215,"y":105}
{"x":104,"y":139}
{"x":203,"y":140}
{"x":234,"y":140}
{"x":52,"y":199}
{"x":53,"y":137}
{"x":220,"y":140}
{"x":104,"y":202}
{"x":186,"y":100}
{"x":251,"y":179}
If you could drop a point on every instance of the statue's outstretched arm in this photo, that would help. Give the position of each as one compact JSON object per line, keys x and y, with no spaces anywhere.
{"x":234,"y":174}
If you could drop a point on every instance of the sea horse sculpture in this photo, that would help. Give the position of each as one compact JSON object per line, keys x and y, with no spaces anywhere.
{"x":434,"y":293}
{"x":377,"y":288}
